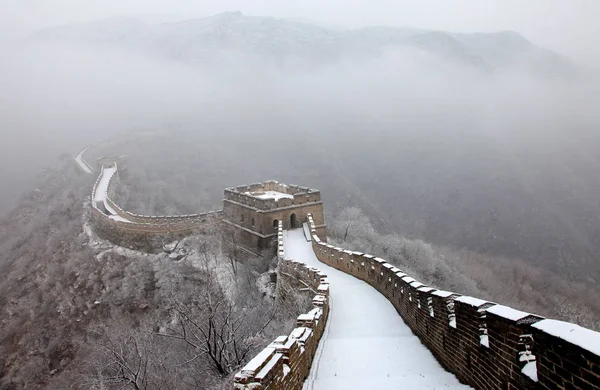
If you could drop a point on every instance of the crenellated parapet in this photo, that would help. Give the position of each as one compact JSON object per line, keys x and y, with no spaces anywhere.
{"x":271,"y":195}
{"x":286,"y":362}
{"x":486,"y":345}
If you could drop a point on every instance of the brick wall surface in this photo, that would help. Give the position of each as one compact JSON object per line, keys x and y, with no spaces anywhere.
{"x":286,"y":362}
{"x":486,"y":345}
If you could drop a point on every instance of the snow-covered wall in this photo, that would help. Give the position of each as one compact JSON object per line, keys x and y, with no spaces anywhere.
{"x":486,"y":345}
{"x":143,"y":232}
{"x":286,"y":362}
{"x":300,"y":195}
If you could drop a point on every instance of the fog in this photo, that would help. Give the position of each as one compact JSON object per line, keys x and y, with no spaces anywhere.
{"x":58,"y":96}
{"x":569,"y":27}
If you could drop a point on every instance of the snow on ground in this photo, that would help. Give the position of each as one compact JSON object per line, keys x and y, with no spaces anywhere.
{"x":275,"y":195}
{"x":118,"y":218}
{"x":102,"y":188}
{"x":82,"y":163}
{"x":366,"y":344}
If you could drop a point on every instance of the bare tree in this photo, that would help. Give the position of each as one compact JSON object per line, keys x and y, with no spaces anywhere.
{"x":223,"y":333}
{"x":123,"y":361}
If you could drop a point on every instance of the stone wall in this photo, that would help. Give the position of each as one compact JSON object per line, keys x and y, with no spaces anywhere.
{"x":251,"y":223}
{"x":145,"y":232}
{"x":301,"y":194}
{"x":486,"y":345}
{"x":286,"y":362}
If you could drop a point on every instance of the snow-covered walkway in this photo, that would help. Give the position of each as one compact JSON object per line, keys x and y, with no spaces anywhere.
{"x":102,"y":188}
{"x":102,"y":193}
{"x":366,"y":344}
{"x":82,"y":163}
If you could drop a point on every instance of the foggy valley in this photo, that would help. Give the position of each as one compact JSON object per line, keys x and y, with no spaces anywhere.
{"x":467,"y":159}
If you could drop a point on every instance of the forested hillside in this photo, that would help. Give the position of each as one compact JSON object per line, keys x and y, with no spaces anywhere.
{"x":78,"y":312}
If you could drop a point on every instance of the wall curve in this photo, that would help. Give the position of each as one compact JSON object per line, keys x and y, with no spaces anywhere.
{"x":143,"y":232}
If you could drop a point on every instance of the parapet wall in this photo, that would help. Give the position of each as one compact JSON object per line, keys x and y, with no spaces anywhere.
{"x":486,"y":345}
{"x":302,"y":195}
{"x":286,"y":362}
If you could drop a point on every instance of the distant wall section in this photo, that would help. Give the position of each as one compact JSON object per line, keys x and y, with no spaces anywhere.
{"x":143,"y":232}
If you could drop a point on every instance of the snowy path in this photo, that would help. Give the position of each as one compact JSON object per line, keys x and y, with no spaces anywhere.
{"x":102,"y":193}
{"x":82,"y":163}
{"x":366,"y":344}
{"x":102,"y":189}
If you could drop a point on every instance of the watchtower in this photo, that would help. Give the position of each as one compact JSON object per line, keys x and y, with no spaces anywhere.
{"x":252,"y":212}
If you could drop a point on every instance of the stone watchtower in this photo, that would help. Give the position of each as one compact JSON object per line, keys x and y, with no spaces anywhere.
{"x":252,"y":212}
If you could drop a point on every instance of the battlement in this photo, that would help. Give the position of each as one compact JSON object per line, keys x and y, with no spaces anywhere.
{"x":251,"y":213}
{"x":286,"y":362}
{"x":272,"y":195}
{"x":485,"y":344}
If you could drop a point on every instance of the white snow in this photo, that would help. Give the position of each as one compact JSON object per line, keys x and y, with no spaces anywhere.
{"x":286,"y":370}
{"x":575,"y":334}
{"x":109,"y":209}
{"x":275,"y":195}
{"x":366,"y":344}
{"x":258,"y":361}
{"x":102,"y":192}
{"x":119,"y":218}
{"x":102,"y":188}
{"x":484,"y":340}
{"x":530,"y":369}
{"x":507,"y":312}
{"x":82,"y":163}
{"x":408,"y":279}
{"x":306,"y":231}
{"x":476,"y":302}
{"x":442,"y":293}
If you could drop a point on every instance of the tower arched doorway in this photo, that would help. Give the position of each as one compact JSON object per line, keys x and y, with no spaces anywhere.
{"x":293,"y":221}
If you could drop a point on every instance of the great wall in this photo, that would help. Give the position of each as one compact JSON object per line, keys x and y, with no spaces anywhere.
{"x":133,"y":230}
{"x":463,"y":339}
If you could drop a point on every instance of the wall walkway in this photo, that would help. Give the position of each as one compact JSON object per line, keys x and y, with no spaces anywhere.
{"x":366,"y":345}
{"x":143,"y":232}
{"x":486,"y":345}
{"x":286,"y":362}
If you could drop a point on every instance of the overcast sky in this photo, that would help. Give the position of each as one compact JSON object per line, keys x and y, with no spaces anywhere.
{"x":569,"y":26}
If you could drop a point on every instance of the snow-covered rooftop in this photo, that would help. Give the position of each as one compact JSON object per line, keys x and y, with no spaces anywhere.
{"x":275,"y":195}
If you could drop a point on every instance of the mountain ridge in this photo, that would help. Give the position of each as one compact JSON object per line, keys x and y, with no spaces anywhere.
{"x":284,"y":41}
